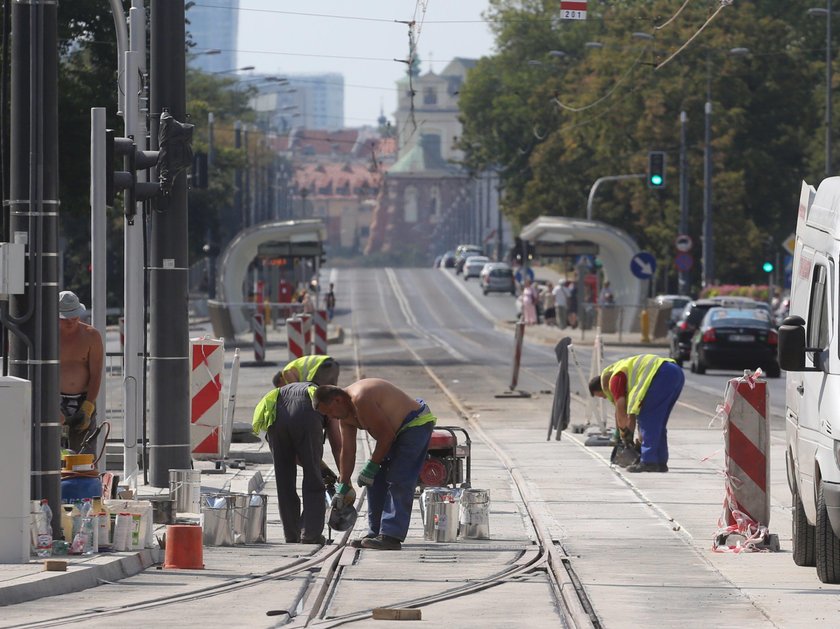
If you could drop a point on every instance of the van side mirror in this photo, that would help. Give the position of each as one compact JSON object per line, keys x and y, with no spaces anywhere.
{"x":791,"y":350}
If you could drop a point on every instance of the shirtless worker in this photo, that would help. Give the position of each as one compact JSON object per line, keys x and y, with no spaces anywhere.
{"x":81,"y":355}
{"x":401,"y":427}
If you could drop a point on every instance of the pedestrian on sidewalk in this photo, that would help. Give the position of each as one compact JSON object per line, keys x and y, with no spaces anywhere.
{"x":643,"y":389}
{"x":560,"y":303}
{"x":331,"y":302}
{"x":529,"y":303}
{"x":401,"y":427}
{"x":81,"y":365}
{"x":548,"y":304}
{"x":295,"y":433}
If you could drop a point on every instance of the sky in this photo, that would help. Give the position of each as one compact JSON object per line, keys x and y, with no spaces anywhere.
{"x":360,"y":42}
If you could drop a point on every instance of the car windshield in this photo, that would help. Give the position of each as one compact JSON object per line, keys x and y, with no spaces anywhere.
{"x":695,"y":314}
{"x":501,"y":272}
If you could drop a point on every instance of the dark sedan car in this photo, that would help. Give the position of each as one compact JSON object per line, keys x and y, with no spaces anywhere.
{"x":679,"y":336}
{"x":735,"y":338}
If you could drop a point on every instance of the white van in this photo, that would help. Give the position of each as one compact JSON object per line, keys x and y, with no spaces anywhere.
{"x":809,"y":350}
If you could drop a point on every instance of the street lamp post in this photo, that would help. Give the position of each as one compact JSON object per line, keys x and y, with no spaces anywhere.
{"x":826,"y":12}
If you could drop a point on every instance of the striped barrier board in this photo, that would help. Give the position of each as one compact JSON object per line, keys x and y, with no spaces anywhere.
{"x":307,"y":332}
{"x":258,"y":325}
{"x":207,"y":357}
{"x":319,"y":338}
{"x":294,"y":335}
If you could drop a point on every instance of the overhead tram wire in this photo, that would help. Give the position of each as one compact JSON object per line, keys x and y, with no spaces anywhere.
{"x":723,"y":5}
{"x":673,"y":17}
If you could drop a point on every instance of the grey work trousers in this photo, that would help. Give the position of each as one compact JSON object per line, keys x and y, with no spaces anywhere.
{"x":292,"y":440}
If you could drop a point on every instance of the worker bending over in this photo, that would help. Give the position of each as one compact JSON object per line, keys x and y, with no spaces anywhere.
{"x":317,"y":368}
{"x":401,"y":427}
{"x":643,"y":389}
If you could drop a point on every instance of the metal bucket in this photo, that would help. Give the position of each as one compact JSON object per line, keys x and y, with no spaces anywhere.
{"x":239,"y":508}
{"x":217,"y":512}
{"x":163,"y":509}
{"x":474,"y":514}
{"x":256,"y":519}
{"x":185,"y":490}
{"x":439,"y":510}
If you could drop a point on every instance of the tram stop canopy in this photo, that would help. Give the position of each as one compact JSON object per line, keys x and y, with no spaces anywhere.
{"x":615,"y":250}
{"x":290,"y":239}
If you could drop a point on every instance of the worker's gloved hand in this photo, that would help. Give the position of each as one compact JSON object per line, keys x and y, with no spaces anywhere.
{"x":368,"y":473}
{"x":329,"y":477}
{"x":77,"y":421}
{"x":87,"y":409}
{"x":627,"y":437}
{"x":344,"y":495}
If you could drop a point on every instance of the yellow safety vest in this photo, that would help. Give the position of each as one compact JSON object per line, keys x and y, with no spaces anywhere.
{"x":640,"y":371}
{"x":306,"y":366}
{"x":266,"y":410}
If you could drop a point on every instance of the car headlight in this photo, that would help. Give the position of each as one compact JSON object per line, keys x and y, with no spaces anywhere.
{"x":837,"y":453}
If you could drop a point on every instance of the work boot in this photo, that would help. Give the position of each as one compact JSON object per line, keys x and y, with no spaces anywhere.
{"x":357,"y":543}
{"x":647,"y":467}
{"x":320,"y":540}
{"x":382,"y":542}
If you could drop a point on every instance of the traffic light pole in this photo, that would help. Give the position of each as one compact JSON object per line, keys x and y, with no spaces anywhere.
{"x":33,"y":207}
{"x":599,"y":181}
{"x":168,"y":265}
{"x":684,"y":278}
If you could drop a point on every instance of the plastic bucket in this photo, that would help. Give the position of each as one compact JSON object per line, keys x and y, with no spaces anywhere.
{"x":474,"y":514}
{"x":185,"y":490}
{"x":439,"y":510}
{"x":80,"y":487}
{"x":217,"y":513}
{"x":256,"y":520}
{"x":183,"y":547}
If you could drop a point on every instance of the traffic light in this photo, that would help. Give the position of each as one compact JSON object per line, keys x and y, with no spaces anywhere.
{"x":126,"y":178}
{"x":767,"y":267}
{"x":656,"y":169}
{"x":176,"y":154}
{"x":769,"y":253}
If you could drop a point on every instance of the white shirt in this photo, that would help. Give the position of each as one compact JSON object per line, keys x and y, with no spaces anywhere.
{"x":560,"y":295}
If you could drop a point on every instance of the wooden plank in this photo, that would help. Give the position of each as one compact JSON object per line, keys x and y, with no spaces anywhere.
{"x":396,"y":613}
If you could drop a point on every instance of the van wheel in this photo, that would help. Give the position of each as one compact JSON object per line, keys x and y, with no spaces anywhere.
{"x":804,"y":534}
{"x":827,"y":545}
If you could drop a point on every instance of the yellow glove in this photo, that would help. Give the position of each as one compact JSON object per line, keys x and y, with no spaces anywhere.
{"x":88,"y":408}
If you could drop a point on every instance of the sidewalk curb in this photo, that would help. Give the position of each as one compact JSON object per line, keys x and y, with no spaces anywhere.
{"x":78,"y":577}
{"x":537,"y":335}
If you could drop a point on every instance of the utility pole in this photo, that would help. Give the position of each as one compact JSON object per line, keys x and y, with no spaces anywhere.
{"x":33,"y":208}
{"x":708,"y":234}
{"x":684,"y":281}
{"x":168,"y":265}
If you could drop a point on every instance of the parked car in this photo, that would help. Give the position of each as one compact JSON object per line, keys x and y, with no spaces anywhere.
{"x":681,"y":334}
{"x":735,"y":338}
{"x":473,"y":266}
{"x":497,"y":277}
{"x":677,"y":302}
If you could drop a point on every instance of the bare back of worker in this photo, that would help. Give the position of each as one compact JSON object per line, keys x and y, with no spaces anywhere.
{"x":80,"y":367}
{"x":381,"y":407}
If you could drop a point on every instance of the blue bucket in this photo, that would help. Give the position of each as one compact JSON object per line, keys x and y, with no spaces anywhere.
{"x":80,"y":487}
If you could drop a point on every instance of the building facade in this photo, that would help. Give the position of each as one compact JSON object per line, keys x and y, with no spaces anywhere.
{"x":213,"y":28}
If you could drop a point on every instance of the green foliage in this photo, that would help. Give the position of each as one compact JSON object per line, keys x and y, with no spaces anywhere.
{"x":553,"y":123}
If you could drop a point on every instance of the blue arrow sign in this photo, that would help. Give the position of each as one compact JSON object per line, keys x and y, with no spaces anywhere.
{"x":643,"y":265}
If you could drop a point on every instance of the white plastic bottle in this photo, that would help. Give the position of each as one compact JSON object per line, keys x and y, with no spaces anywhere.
{"x":44,"y":546}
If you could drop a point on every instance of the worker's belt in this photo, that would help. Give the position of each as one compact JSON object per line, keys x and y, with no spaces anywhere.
{"x":420,"y":417}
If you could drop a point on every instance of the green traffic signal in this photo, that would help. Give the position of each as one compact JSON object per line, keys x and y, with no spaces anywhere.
{"x":656,"y":180}
{"x":767,"y":267}
{"x":656,"y":169}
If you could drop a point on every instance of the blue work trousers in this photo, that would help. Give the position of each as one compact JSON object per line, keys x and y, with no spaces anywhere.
{"x":656,"y":408}
{"x":391,"y":496}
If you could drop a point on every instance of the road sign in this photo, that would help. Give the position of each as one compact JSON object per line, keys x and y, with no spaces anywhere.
{"x":789,"y":243}
{"x":585,"y":260}
{"x":642,"y":265}
{"x":683,"y":242}
{"x":684,"y":262}
{"x":572,"y":9}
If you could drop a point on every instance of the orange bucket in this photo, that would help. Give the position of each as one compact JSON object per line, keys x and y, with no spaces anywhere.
{"x":184,"y":548}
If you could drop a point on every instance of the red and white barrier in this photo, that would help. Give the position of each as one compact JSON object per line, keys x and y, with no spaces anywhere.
{"x":294,"y":336}
{"x":746,"y":429}
{"x":207,"y":362}
{"x":319,"y":337}
{"x":258,"y":325}
{"x":307,"y":332}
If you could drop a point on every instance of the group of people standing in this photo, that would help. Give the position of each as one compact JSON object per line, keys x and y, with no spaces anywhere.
{"x":556,"y":305}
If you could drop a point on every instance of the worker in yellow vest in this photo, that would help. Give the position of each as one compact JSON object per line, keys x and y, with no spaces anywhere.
{"x":317,"y":368}
{"x":643,"y":389}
